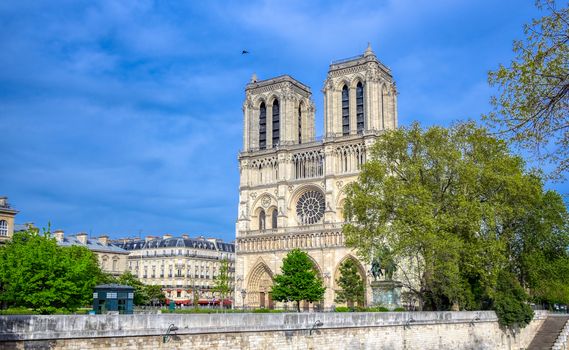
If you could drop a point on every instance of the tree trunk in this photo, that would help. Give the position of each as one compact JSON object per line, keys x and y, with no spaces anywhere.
{"x":298,"y":306}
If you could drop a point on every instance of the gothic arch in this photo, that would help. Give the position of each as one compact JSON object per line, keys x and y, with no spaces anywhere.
{"x":358,"y":78}
{"x":259,"y":283}
{"x":258,"y":100}
{"x":271,"y":99}
{"x":340,"y":85}
{"x":361,"y":271}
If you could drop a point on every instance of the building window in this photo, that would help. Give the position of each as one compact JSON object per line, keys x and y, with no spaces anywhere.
{"x":276,"y":123}
{"x":3,"y":228}
{"x":299,"y":124}
{"x":262,"y":126}
{"x":274,"y":219}
{"x":262,"y":220}
{"x":345,"y":111}
{"x":115,"y":264}
{"x":360,"y":108}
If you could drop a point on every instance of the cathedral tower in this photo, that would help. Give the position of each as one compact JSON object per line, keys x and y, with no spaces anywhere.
{"x":292,"y":186}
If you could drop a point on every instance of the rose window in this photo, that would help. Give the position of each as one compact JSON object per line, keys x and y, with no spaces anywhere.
{"x":310,"y":207}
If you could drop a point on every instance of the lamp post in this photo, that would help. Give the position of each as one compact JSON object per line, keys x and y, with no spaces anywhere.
{"x":166,"y":337}
{"x":243,"y":295}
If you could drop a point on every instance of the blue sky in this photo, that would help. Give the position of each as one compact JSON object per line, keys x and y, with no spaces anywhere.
{"x":121,"y":117}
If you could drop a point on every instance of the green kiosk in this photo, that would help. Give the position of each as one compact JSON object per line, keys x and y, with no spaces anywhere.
{"x":113,"y":298}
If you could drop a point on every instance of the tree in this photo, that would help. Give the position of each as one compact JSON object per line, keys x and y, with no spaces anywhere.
{"x":456,"y":209}
{"x":533,"y":103}
{"x":223,"y":281}
{"x":36,"y":273}
{"x":351,"y":284}
{"x":509,"y":302}
{"x":298,"y":281}
{"x":141,"y":296}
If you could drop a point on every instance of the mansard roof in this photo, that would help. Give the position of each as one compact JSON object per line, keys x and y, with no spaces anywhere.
{"x":178,"y":243}
{"x":92,"y":244}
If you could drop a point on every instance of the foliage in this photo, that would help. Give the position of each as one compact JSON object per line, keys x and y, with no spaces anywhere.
{"x":298,"y":281}
{"x":456,"y":208}
{"x":266,"y":311}
{"x":377,"y":309}
{"x":343,"y":309}
{"x":222,"y":282}
{"x":532,"y":108}
{"x":143,"y":294}
{"x":351,"y":284}
{"x":510,"y":302}
{"x":399,"y":309}
{"x":38,"y":274}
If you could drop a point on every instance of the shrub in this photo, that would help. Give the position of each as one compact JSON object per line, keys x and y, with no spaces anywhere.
{"x":399,"y":309}
{"x":343,"y":309}
{"x":377,"y":309}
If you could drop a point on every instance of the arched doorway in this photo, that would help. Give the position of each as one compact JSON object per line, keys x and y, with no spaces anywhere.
{"x":259,"y":287}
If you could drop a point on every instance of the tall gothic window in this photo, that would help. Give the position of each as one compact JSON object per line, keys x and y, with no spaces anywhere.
{"x":262,"y":126}
{"x":345,"y":111}
{"x":276,"y":123}
{"x":360,"y":107}
{"x":274,"y":219}
{"x":299,"y":124}
{"x":3,"y":228}
{"x":262,"y":220}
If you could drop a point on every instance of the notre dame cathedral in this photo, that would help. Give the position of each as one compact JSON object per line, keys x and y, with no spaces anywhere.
{"x":291,"y":190}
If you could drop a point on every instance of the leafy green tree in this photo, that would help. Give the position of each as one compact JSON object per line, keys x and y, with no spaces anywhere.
{"x":351,"y":284}
{"x":36,"y":273}
{"x":155,"y":294}
{"x":298,"y":281}
{"x":533,"y":103}
{"x":141,"y":296}
{"x":456,"y":209}
{"x":222,"y":282}
{"x":509,"y":302}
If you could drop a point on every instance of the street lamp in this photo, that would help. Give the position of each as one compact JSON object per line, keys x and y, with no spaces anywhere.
{"x":166,"y":337}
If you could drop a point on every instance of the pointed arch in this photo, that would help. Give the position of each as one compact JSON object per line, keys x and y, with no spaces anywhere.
{"x":361,"y":271}
{"x":259,"y":285}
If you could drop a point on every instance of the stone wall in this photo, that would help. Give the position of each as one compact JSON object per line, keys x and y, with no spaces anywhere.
{"x":391,"y":330}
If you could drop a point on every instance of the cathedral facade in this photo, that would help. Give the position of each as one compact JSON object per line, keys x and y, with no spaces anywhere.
{"x":291,"y":190}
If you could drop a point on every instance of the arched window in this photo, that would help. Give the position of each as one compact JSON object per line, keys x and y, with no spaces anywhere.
{"x":262,"y":220}
{"x":115,"y":265}
{"x":276,"y":123}
{"x":262,"y":126}
{"x":360,"y":107}
{"x":299,"y":124}
{"x":345,"y":111}
{"x":274,"y":219}
{"x":3,"y":228}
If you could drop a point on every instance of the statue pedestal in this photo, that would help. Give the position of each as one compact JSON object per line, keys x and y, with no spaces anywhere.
{"x":386,"y":294}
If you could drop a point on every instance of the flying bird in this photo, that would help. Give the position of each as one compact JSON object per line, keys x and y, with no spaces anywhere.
{"x":244,"y":52}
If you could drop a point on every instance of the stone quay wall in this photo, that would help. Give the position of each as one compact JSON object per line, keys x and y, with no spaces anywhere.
{"x":389,"y":330}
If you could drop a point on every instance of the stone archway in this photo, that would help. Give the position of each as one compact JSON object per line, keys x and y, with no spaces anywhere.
{"x":259,"y":287}
{"x":361,"y":271}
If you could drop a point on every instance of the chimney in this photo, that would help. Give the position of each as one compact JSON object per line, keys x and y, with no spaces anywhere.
{"x":82,"y":237}
{"x":166,"y":236}
{"x":185,"y":236}
{"x":104,"y":240}
{"x":58,"y":235}
{"x":4,"y":202}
